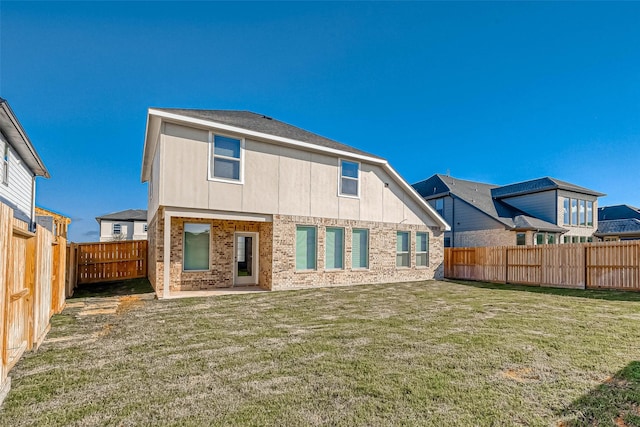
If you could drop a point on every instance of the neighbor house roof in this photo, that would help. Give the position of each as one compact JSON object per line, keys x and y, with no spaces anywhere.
{"x":540,"y":184}
{"x":618,"y":227}
{"x":265,"y":128}
{"x":128,"y":215}
{"x":479,"y":195}
{"x":618,"y":212}
{"x":18,"y":139}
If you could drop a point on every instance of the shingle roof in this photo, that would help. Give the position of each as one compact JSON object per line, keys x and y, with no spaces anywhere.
{"x":540,"y":184}
{"x":479,"y":195}
{"x":618,"y":226}
{"x":128,"y":215}
{"x":618,"y":212}
{"x":260,"y":123}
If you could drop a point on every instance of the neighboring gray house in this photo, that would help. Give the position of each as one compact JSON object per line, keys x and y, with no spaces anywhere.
{"x":125,"y":225}
{"x":238,"y":198}
{"x":620,"y":222}
{"x":540,"y":211}
{"x":19,"y":167}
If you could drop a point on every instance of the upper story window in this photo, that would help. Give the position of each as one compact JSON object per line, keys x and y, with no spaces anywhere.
{"x":577,"y":212}
{"x":226,"y":158}
{"x":117,"y":229}
{"x":440,"y":206}
{"x":349,"y":178}
{"x":5,"y":164}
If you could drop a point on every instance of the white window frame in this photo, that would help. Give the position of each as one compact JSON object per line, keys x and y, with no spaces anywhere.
{"x":408,"y":252}
{"x":113,"y":229}
{"x":419,"y":252}
{"x":5,"y":165}
{"x":340,"y":177}
{"x":211,"y":176}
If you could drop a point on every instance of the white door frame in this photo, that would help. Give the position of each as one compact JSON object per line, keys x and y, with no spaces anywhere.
{"x":246,"y":280}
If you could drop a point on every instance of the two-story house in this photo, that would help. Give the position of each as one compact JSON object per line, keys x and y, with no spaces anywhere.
{"x":238,"y":198}
{"x":540,"y":211}
{"x":130,"y":224}
{"x":20,"y":164}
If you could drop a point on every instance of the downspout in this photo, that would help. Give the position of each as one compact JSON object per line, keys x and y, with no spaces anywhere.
{"x":32,"y":226}
{"x":453,"y":225}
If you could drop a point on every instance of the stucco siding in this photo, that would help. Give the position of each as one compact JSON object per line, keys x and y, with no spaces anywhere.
{"x":18,"y":193}
{"x":278,"y":180}
{"x":540,"y":205}
{"x":154,"y":186}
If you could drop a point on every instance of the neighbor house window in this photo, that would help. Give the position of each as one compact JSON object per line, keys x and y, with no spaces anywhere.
{"x":226,"y":158}
{"x":590,"y":214}
{"x":402,"y":249}
{"x":582,"y":211}
{"x":521,"y":239}
{"x":440,"y":206}
{"x":422,"y":249}
{"x":551,"y":239}
{"x":565,"y":212}
{"x":539,"y":238}
{"x":117,"y":229}
{"x":360,"y":248}
{"x":334,"y":253}
{"x":5,"y":164}
{"x":305,"y":248}
{"x":575,"y":239}
{"x":196,"y":247}
{"x":349,"y":177}
{"x":447,"y":242}
{"x":567,"y":239}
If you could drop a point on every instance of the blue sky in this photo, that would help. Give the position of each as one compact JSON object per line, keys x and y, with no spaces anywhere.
{"x":495,"y":92}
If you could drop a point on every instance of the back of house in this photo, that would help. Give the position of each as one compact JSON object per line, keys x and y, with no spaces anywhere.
{"x":238,"y":198}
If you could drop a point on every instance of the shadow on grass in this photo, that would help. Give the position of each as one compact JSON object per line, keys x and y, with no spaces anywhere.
{"x":609,"y":295}
{"x":109,"y":289}
{"x":615,"y":402}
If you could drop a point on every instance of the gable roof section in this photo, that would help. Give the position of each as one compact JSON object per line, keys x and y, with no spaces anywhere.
{"x":18,"y":139}
{"x":274,"y":131}
{"x":618,"y":227}
{"x":618,"y":212}
{"x":479,"y":195}
{"x":127,"y":215}
{"x":537,"y":185}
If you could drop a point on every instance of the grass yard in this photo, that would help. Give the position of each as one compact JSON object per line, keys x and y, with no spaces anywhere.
{"x":429,"y":353}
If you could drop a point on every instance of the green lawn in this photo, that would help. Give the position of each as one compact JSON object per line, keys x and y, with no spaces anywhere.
{"x":429,"y":353}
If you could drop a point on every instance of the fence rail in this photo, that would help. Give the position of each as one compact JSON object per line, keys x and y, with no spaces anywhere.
{"x":607,"y":265}
{"x":32,"y":278}
{"x":106,"y":262}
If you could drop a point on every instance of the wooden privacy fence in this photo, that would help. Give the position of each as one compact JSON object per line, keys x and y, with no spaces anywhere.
{"x":106,"y":262}
{"x":32,"y":277}
{"x":607,"y":265}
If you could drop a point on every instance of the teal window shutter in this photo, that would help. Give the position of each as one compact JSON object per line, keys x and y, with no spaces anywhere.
{"x":334,"y":248}
{"x":360,"y":249}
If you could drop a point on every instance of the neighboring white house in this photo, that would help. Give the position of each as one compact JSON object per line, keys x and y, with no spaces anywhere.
{"x":125,"y":225}
{"x":19,"y":167}
{"x":238,"y":198}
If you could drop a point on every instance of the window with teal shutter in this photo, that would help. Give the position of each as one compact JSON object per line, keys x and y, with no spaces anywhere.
{"x":305,"y":248}
{"x":360,"y":248}
{"x":334,"y":258}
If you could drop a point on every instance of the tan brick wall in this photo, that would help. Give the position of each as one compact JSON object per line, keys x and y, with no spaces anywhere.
{"x":277,"y":242}
{"x":493,"y":237}
{"x":221,"y":261}
{"x":382,"y":254}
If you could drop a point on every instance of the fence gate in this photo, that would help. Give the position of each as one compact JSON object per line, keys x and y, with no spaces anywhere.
{"x":20,"y":273}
